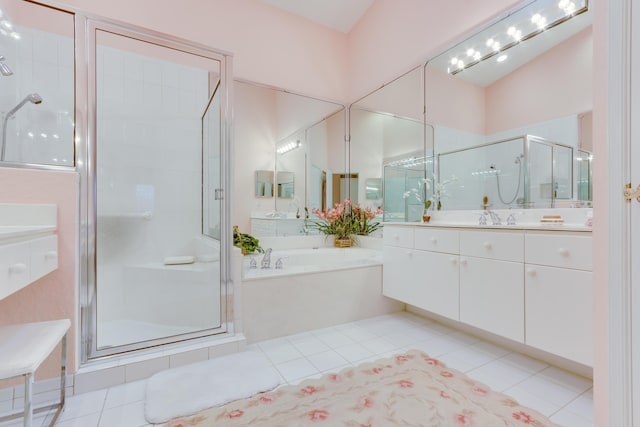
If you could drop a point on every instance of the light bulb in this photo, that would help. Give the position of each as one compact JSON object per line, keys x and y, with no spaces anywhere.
{"x":477,"y":56}
{"x":470,"y":52}
{"x":501,"y":58}
{"x":511,"y":31}
{"x":460,"y":64}
{"x":563,"y":4}
{"x":535,"y":18}
{"x":489,"y":42}
{"x":454,"y":61}
{"x":496,"y":46}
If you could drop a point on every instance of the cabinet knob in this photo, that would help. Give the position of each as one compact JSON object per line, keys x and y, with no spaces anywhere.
{"x":396,"y":237}
{"x":463,"y":261}
{"x":434,"y":240}
{"x":531,"y":272}
{"x":18,"y":268}
{"x":453,"y":260}
{"x":409,"y":253}
{"x":563,"y":251}
{"x":51,"y":255}
{"x":487,"y":245}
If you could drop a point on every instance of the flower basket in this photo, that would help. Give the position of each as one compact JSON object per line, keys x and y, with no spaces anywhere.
{"x":343,"y":242}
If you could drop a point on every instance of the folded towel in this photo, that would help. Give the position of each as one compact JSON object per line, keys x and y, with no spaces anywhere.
{"x":175,"y":260}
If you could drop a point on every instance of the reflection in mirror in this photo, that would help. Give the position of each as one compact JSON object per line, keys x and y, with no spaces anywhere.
{"x":302,"y":139}
{"x":37,"y":85}
{"x":286,"y":187}
{"x":388,"y":139}
{"x":513,"y":85}
{"x":264,"y":183}
{"x":373,"y":188}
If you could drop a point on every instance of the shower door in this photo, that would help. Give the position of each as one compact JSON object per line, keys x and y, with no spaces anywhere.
{"x":156,"y":268}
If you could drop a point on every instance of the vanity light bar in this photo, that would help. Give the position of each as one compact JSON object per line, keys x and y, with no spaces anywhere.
{"x":285,"y":148}
{"x":569,"y":11}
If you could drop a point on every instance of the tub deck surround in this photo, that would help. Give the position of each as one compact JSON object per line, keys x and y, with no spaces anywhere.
{"x":317,"y":288}
{"x":28,"y":244}
{"x":528,"y":283}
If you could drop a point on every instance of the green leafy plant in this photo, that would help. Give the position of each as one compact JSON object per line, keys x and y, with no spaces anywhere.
{"x":246,"y":242}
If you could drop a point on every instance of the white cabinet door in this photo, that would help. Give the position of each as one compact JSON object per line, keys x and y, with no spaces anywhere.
{"x":436,"y":283}
{"x":492,"y":296}
{"x":559,"y":312}
{"x":398,"y":278}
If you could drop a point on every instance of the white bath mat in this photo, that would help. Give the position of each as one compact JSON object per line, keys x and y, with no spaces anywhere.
{"x":191,"y":388}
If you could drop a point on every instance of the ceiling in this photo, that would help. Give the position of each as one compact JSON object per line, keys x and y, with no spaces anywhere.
{"x":340,"y":15}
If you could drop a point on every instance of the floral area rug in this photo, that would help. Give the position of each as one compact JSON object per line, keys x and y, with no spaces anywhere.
{"x":410,"y":389}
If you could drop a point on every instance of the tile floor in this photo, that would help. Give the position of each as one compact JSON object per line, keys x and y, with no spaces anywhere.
{"x":566,"y":398}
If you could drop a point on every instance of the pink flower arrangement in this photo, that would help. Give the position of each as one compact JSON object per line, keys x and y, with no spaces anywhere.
{"x":346,"y":219}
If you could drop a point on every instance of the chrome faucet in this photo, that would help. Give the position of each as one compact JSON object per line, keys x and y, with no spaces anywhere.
{"x":266,"y":259}
{"x":279,"y":263}
{"x":495,"y":218}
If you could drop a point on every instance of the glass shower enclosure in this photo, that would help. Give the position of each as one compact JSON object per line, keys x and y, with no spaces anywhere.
{"x":156,"y":268}
{"x":524,"y":172}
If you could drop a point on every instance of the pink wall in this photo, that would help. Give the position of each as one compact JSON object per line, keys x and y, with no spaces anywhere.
{"x":600,"y":217}
{"x":396,"y":35}
{"x":454,"y":103}
{"x":553,"y":90}
{"x":261,"y":38}
{"x":54,"y":295}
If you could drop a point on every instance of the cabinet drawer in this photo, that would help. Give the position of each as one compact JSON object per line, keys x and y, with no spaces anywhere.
{"x":44,"y":256}
{"x":559,"y":250}
{"x":14,"y":268}
{"x":503,"y":245}
{"x":398,"y":236}
{"x":437,"y":240}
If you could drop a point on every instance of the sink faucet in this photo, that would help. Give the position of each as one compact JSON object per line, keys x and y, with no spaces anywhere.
{"x":495,"y":218}
{"x":266,"y":259}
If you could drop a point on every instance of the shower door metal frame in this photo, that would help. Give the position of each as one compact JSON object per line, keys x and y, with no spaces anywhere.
{"x":86,"y":120}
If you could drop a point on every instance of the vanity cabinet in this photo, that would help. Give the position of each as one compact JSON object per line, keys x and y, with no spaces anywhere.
{"x":28,"y":249}
{"x":492,"y":283}
{"x":559,"y":295}
{"x":533,"y":287}
{"x":422,"y":269}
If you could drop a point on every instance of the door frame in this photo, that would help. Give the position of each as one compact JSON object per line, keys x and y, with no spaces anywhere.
{"x":617,"y":382}
{"x":85,"y":35}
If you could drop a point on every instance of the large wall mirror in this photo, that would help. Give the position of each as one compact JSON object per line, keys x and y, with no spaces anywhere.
{"x":289,"y":147}
{"x":511,"y":111}
{"x":390,"y":144}
{"x":36,"y":85}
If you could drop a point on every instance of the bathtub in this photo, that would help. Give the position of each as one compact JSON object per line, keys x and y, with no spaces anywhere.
{"x":305,"y":261}
{"x":316,"y":288}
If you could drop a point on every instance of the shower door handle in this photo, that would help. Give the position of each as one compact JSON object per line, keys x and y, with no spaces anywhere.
{"x":218,"y":194}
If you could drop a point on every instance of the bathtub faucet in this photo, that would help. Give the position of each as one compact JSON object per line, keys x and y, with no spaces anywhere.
{"x":495,"y":218}
{"x":266,"y":259}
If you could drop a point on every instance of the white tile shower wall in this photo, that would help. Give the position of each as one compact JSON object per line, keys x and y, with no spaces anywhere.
{"x":149,"y":159}
{"x":43,"y":63}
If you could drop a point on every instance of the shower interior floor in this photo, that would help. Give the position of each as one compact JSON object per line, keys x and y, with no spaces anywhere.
{"x":121,"y":332}
{"x":566,"y":398}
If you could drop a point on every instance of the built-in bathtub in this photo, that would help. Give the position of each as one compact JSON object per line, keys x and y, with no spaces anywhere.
{"x":316,"y":288}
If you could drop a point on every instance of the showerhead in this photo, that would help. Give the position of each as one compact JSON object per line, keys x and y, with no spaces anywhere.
{"x":518,"y":159}
{"x":33,"y":98}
